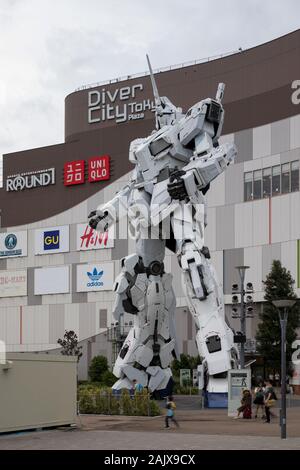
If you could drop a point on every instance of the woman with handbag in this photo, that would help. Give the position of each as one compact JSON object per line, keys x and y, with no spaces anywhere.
{"x":270,"y":399}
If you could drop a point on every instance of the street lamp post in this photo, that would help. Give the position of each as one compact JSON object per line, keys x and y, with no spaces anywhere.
{"x":283,"y":307}
{"x":242,"y":271}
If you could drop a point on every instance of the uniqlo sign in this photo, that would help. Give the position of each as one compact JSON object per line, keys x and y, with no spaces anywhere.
{"x":99,"y":168}
{"x":74,"y":172}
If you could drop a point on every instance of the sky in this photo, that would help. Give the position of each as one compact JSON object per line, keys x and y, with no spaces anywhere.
{"x":48,"y":48}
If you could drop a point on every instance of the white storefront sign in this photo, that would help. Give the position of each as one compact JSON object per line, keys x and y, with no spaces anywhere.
{"x":13,"y":244}
{"x":54,"y":280}
{"x":13,"y":283}
{"x":89,"y":239}
{"x":95,"y":277}
{"x":102,"y":107}
{"x":52,"y":240}
{"x":30,"y":179}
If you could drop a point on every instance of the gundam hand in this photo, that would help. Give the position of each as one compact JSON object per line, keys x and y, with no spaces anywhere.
{"x":99,"y":220}
{"x":176,"y":186}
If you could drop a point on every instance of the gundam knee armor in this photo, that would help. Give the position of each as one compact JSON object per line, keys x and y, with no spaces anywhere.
{"x":146,"y":293}
{"x":214,"y":337}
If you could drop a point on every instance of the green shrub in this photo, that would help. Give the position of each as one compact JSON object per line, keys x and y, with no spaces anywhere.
{"x":126,"y":403}
{"x":87,"y":402}
{"x":108,"y":378}
{"x":97,"y":367}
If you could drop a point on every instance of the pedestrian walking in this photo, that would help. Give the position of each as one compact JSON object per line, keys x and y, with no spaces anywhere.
{"x":270,"y":399}
{"x":259,"y":401}
{"x":170,"y":414}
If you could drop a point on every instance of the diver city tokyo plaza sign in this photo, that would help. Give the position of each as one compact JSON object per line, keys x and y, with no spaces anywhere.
{"x":13,"y":244}
{"x":30,"y":180}
{"x":102,"y":105}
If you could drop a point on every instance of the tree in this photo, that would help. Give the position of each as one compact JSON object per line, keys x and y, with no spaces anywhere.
{"x":279,"y":284}
{"x":185,"y":362}
{"x":69,"y":345}
{"x":97,"y":367}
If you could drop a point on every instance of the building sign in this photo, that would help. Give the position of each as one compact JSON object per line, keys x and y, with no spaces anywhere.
{"x":31,"y":179}
{"x":296,"y":94}
{"x":52,"y":240}
{"x":74,"y":172}
{"x":13,"y":283}
{"x":99,"y":169}
{"x":102,"y":104}
{"x":95,"y":277}
{"x":13,"y":244}
{"x":238,"y":380}
{"x":89,"y":239}
{"x":54,"y":280}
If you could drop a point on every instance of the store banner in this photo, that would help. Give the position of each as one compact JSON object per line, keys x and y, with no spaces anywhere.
{"x":54,"y":280}
{"x":52,"y":240}
{"x":13,"y":283}
{"x":89,"y":239}
{"x":13,"y":244}
{"x":95,"y":277}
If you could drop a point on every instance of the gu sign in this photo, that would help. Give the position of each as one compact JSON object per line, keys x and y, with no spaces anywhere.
{"x":102,"y":104}
{"x":31,"y":179}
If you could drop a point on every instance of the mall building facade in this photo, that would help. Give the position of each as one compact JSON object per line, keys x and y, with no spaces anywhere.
{"x":56,"y":275}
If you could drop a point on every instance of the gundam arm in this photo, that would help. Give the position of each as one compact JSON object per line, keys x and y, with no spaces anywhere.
{"x":199,"y":172}
{"x":111,"y":212}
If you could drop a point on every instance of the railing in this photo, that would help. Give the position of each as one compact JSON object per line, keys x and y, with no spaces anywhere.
{"x":161,"y":69}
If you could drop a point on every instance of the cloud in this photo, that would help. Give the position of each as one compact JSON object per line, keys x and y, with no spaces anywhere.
{"x":50,"y":48}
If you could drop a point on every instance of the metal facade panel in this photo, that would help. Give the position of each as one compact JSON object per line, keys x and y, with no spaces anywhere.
{"x":280,"y":136}
{"x":232,"y":258}
{"x":244,"y":142}
{"x":262,"y":141}
{"x":243,"y":224}
{"x":234,"y":184}
{"x":56,"y":322}
{"x":225,"y":227}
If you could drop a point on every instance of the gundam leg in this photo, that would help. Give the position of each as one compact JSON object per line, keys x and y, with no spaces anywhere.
{"x":144,"y":290}
{"x":205,"y":301}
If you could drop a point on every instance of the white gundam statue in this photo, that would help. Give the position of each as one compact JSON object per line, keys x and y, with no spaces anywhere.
{"x":165,"y":202}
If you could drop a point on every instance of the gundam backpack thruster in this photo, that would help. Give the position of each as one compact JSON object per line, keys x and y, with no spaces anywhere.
{"x":166,"y":207}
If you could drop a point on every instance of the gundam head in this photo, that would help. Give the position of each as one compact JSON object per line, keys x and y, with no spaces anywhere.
{"x":165,"y":111}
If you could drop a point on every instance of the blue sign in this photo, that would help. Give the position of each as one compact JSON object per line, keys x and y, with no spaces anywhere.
{"x":95,"y":277}
{"x":51,"y":240}
{"x":11,"y":241}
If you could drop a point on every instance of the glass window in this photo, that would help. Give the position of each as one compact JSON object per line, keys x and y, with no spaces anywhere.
{"x":267,"y":178}
{"x":285,"y":178}
{"x":257,"y":184}
{"x":248,"y":186}
{"x":276,"y":180}
{"x":295,"y":176}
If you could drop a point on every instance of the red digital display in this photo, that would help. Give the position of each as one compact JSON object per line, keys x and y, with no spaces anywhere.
{"x":74,"y":172}
{"x":99,"y":169}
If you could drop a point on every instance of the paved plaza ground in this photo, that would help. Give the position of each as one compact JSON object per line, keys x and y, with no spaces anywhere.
{"x":199,"y":429}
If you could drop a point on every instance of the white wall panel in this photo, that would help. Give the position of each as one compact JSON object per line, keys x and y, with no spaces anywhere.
{"x":280,"y":218}
{"x":260,"y":222}
{"x":243,"y":224}
{"x":12,"y":325}
{"x":253,"y":259}
{"x":289,"y":257}
{"x":261,"y":141}
{"x":295,"y":215}
{"x":295,"y":131}
{"x":51,"y":280}
{"x":72,"y":317}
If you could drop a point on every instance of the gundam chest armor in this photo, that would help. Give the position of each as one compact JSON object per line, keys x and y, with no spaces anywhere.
{"x":165,"y":201}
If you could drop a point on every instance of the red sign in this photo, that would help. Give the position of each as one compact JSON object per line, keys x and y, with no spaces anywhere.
{"x":92,"y":239}
{"x":99,"y":168}
{"x":74,"y":172}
